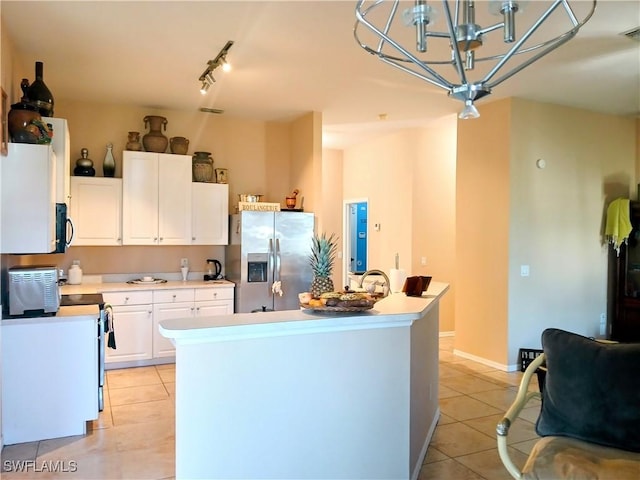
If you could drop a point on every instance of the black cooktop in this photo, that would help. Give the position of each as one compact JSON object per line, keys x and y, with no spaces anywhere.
{"x":82,"y":299}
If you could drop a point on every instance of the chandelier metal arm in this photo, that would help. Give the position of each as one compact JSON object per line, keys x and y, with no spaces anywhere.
{"x":558,"y":42}
{"x":523,"y":39}
{"x":552,"y":44}
{"x":455,"y":47}
{"x":437,"y":80}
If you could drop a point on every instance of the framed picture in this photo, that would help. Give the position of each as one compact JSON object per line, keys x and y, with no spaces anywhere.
{"x":221,"y":175}
{"x":4,"y":132}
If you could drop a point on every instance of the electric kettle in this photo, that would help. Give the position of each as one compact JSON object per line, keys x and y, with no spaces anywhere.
{"x":214,"y":270}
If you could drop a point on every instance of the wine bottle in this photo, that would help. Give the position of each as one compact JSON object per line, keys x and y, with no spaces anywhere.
{"x":39,"y":95}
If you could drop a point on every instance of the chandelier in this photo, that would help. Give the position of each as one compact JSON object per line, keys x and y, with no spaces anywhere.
{"x":462,"y":43}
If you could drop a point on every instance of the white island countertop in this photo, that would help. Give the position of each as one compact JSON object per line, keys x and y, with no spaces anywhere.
{"x":396,"y":309}
{"x":301,"y":395}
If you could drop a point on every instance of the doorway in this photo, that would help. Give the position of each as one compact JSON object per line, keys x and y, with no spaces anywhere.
{"x":355,"y":237}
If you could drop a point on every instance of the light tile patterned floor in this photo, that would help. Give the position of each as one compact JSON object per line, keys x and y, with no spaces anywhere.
{"x":134,"y":438}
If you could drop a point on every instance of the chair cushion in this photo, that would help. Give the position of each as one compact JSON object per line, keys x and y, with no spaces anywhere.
{"x":591,"y":391}
{"x":554,"y":458}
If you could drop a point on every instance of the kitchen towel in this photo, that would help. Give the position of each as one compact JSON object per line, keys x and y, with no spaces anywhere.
{"x":618,"y":226}
{"x":397,"y":276}
{"x":109,"y":327}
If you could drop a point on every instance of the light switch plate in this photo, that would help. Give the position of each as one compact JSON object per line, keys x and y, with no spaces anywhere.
{"x":524,"y":270}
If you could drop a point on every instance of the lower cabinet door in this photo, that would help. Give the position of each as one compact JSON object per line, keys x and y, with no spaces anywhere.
{"x":132,"y":329}
{"x":162,"y":347}
{"x":212,"y":308}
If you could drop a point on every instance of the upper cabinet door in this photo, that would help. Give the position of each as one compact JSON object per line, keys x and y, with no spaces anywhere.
{"x":96,"y":210}
{"x":174,"y":200}
{"x":139,"y":198}
{"x":28,"y":203}
{"x":210,"y":214}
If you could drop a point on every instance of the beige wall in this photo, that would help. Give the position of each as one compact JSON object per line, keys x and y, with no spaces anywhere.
{"x":511,"y":213}
{"x":408,"y":178}
{"x":557,"y":215}
{"x":482,"y":233}
{"x":434,"y":211}
{"x":332,"y":205}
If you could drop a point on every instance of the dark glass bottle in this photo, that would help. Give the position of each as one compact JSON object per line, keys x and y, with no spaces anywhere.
{"x":39,"y":95}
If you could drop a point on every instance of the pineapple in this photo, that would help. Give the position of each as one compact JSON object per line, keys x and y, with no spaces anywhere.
{"x":323,"y":253}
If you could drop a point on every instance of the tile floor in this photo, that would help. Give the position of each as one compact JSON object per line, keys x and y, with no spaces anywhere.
{"x":134,"y":436}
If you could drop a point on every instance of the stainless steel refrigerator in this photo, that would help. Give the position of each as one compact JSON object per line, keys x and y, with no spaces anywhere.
{"x":266,"y":247}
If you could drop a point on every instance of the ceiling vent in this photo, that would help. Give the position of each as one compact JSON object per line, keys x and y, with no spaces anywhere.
{"x":633,"y":34}
{"x":211,"y":110}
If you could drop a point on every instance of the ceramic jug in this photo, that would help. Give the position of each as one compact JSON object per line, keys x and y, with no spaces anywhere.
{"x":155,"y":141}
{"x":179,"y":145}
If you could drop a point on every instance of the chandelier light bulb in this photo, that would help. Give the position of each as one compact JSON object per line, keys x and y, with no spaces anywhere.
{"x":469,"y":111}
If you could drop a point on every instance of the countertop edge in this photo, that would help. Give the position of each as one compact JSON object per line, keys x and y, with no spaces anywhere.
{"x":107,"y":287}
{"x":396,"y":310}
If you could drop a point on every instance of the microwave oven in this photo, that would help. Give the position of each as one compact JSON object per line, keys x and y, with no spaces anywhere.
{"x":64,"y":229}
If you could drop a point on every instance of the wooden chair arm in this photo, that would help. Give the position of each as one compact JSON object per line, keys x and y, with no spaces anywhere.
{"x":522,"y":397}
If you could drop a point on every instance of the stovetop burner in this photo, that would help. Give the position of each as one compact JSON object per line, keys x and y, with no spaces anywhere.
{"x":82,"y":299}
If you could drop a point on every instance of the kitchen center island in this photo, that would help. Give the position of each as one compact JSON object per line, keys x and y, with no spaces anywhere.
{"x":302,"y":395}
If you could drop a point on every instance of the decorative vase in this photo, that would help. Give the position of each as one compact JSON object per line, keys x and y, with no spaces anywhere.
{"x":84,"y":165}
{"x":109,"y":164}
{"x":134,"y":142}
{"x":39,"y":95}
{"x":155,"y":141}
{"x":19,"y":118}
{"x":179,"y":145}
{"x":202,"y":164}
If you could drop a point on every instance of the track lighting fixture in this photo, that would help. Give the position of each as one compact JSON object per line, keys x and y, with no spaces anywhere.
{"x":207,"y":77}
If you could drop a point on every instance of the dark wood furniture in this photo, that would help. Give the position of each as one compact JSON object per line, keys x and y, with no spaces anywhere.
{"x":625,"y":324}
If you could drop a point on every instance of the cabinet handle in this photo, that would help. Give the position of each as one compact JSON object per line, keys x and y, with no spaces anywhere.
{"x":215,"y":294}
{"x":161,"y":238}
{"x":174,"y":296}
{"x":126,"y":299}
{"x":193,"y":238}
{"x":155,"y":239}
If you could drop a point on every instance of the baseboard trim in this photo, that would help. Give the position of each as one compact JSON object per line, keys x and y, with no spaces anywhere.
{"x":484,"y":361}
{"x":425,"y":446}
{"x":448,"y":334}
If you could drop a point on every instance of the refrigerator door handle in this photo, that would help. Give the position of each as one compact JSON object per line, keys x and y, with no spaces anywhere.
{"x":271,"y":266}
{"x":278,"y":261}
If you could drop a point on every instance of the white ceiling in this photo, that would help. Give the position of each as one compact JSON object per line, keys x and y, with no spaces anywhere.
{"x":290,"y":58}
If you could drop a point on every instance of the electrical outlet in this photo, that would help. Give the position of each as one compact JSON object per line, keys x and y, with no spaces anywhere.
{"x":423,"y":260}
{"x":184,"y":262}
{"x":603,"y":324}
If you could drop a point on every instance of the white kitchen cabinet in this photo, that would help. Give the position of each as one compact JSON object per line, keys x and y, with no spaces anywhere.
{"x":213,"y":301}
{"x":210,"y":213}
{"x":168,"y":304}
{"x":28,"y":210}
{"x":156,"y":198}
{"x":96,"y":210}
{"x":49,"y":377}
{"x":138,"y":314}
{"x":61,"y":144}
{"x":133,"y":324}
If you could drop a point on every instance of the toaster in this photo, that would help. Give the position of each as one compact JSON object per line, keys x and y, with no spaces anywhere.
{"x":33,"y":290}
